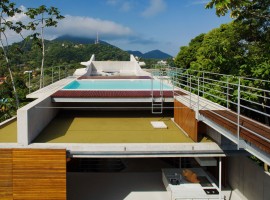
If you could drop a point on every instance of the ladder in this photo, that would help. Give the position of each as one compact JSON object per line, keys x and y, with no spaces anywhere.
{"x":157,"y":101}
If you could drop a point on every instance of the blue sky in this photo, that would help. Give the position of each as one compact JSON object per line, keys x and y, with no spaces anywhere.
{"x":134,"y":24}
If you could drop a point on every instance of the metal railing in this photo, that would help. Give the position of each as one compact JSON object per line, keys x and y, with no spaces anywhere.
{"x":51,"y":75}
{"x":243,"y":96}
{"x":157,"y":101}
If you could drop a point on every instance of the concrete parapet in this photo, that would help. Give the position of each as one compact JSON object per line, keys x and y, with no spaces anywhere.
{"x":33,"y":118}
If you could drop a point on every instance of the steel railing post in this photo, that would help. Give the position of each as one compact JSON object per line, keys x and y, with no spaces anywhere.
{"x":238,"y":112}
{"x":203,"y":81}
{"x":227,"y":92}
{"x":152,"y":83}
{"x":173,"y":82}
{"x":190,"y":91}
{"x":59,"y":73}
{"x":52,"y":74}
{"x":198,"y":102}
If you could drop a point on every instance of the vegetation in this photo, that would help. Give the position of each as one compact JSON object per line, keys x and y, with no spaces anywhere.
{"x":9,"y":10}
{"x":62,"y":57}
{"x":44,"y":17}
{"x":239,"y":48}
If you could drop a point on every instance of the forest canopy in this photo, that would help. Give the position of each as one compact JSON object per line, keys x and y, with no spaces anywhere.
{"x":241,"y":47}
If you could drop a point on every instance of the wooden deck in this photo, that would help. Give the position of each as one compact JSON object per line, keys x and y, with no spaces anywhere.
{"x":247,"y":123}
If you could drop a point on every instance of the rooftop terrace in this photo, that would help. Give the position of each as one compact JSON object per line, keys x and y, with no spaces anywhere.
{"x":8,"y":132}
{"x":110,"y":127}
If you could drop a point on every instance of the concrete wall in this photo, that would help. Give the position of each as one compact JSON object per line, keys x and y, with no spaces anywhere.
{"x":248,"y":179}
{"x":123,"y":67}
{"x":128,"y":68}
{"x":221,"y":140}
{"x":33,"y":118}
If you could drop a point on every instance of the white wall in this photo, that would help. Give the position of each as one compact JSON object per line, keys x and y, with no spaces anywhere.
{"x":33,"y":118}
{"x":128,"y":68}
{"x":246,"y":177}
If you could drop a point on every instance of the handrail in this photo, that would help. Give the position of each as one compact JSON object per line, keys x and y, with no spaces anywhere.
{"x":231,"y":91}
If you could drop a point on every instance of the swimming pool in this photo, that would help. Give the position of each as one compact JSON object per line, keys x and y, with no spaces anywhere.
{"x":132,"y":84}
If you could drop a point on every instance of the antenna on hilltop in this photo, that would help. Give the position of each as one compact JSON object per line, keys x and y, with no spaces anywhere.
{"x":96,"y":42}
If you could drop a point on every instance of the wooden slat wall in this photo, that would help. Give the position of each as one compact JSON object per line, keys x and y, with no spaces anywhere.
{"x":39,"y":174}
{"x":185,"y":118}
{"x":6,"y":174}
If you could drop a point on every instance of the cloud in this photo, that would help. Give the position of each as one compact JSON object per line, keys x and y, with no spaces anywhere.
{"x":126,"y":6}
{"x":155,"y":7}
{"x":77,"y":26}
{"x":109,"y":31}
{"x":88,"y":27}
{"x":123,"y":5}
{"x":199,"y":2}
{"x":112,"y":2}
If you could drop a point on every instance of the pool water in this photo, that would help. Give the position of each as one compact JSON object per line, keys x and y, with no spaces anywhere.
{"x":116,"y":85}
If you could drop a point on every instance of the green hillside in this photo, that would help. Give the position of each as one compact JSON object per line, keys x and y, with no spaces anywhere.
{"x":59,"y":53}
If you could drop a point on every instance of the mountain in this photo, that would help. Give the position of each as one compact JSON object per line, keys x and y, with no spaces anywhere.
{"x":77,"y":40}
{"x":155,"y":54}
{"x":136,"y":53}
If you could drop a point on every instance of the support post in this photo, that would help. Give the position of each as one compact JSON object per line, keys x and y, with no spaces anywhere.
{"x":219,"y":176}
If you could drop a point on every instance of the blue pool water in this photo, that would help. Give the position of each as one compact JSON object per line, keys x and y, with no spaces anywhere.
{"x":115,"y":85}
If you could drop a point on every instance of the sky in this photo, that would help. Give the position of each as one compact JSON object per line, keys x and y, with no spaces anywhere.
{"x":142,"y":25}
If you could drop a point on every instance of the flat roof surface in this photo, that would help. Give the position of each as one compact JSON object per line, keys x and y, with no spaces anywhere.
{"x":8,"y":132}
{"x":111,"y":129}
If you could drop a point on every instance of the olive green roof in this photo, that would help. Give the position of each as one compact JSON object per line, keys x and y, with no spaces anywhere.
{"x":8,"y":132}
{"x":111,"y":130}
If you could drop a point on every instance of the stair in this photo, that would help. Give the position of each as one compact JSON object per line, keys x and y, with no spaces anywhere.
{"x":157,"y":101}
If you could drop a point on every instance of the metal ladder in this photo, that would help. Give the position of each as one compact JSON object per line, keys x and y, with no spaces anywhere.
{"x":157,"y":102}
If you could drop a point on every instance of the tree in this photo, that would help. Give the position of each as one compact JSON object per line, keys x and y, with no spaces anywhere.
{"x":254,"y":14}
{"x":221,"y":51}
{"x":187,"y":54}
{"x":240,"y":8}
{"x":6,"y":108}
{"x":44,"y":17}
{"x":9,"y":10}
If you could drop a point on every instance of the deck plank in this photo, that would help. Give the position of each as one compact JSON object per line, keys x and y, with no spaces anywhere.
{"x":249,"y":124}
